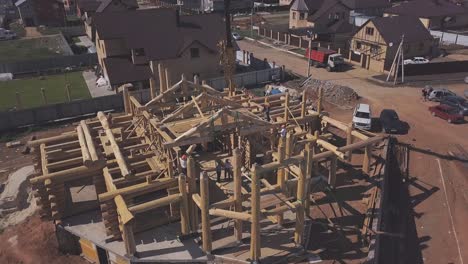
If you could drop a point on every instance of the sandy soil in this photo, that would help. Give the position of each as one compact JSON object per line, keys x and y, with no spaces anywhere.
{"x":33,"y":242}
{"x":440,"y":207}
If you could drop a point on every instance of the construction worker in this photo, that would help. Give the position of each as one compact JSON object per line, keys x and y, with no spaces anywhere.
{"x":218,"y":168}
{"x":283,"y":131}
{"x":183,"y":164}
{"x":227,"y":169}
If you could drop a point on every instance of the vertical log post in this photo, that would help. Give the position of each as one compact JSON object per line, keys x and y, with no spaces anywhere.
{"x":309,"y":154}
{"x":153,"y":92}
{"x":162,"y":79}
{"x":168,"y":79}
{"x":349,"y":141}
{"x":319,"y":101}
{"x":303,"y":106}
{"x":367,"y":159}
{"x":205,"y":200}
{"x":184,"y":212}
{"x":192,"y":188}
{"x":255,"y":205}
{"x":126,"y":100}
{"x":280,"y":179}
{"x":129,"y":238}
{"x":288,"y":152}
{"x":286,"y":108}
{"x":237,"y":164}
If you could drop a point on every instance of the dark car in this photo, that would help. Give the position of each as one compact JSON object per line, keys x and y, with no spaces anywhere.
{"x":456,"y":102}
{"x":446,"y":112}
{"x":390,"y":122}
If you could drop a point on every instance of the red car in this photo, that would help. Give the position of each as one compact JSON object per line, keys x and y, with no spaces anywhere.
{"x":446,"y":112}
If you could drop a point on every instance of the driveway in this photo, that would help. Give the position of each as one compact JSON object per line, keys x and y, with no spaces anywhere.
{"x":440,"y":197}
{"x":90,"y":79}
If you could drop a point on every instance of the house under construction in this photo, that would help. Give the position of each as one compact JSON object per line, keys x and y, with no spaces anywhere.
{"x":118,"y":185}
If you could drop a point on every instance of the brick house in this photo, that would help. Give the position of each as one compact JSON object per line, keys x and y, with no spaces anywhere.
{"x":87,"y":9}
{"x":41,"y":12}
{"x":378,"y":39}
{"x":131,"y":44}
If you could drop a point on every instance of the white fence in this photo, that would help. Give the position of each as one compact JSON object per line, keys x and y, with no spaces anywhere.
{"x":450,"y":38}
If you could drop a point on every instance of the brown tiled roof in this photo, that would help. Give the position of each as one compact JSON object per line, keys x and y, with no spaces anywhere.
{"x":131,"y":4}
{"x":427,"y":8}
{"x":364,"y":4}
{"x":307,"y":5}
{"x":122,"y":70}
{"x":327,"y":5}
{"x":158,"y":32}
{"x":392,"y":28}
{"x":88,"y":5}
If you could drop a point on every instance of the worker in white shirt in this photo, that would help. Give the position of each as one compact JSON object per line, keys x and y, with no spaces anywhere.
{"x":183,"y":164}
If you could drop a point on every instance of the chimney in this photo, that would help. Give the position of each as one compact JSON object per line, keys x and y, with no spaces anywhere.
{"x":177,"y":17}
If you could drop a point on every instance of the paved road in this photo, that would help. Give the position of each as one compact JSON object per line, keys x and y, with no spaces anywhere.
{"x":440,"y":206}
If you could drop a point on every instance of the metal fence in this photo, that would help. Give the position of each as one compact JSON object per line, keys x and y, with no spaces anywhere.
{"x":450,"y":38}
{"x":42,"y":65}
{"x":45,"y":114}
{"x":248,"y":78}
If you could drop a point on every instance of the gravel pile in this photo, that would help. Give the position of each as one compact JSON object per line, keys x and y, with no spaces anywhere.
{"x":341,"y":96}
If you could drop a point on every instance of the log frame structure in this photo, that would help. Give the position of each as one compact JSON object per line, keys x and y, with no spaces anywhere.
{"x":134,"y":161}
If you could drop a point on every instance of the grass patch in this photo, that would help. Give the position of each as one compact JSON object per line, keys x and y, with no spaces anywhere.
{"x":248,"y":34}
{"x":54,"y":85}
{"x":30,"y":49}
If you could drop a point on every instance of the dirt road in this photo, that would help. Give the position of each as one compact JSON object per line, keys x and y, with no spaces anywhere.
{"x":439,"y":190}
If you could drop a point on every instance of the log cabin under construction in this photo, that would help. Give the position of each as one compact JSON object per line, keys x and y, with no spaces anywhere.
{"x":118,"y":187}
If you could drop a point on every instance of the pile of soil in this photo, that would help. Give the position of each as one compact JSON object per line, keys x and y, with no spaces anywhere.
{"x":33,"y":241}
{"x":341,"y":96}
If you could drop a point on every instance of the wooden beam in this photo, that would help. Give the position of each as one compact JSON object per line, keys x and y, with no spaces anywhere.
{"x":361,"y":144}
{"x":84,"y":147}
{"x":237,"y":165}
{"x":332,"y":171}
{"x":55,"y":139}
{"x":230,"y":214}
{"x":192,"y":188}
{"x":140,"y":188}
{"x":184,"y":210}
{"x":126,"y":173}
{"x":255,"y":243}
{"x":125,"y":215}
{"x":89,"y":141}
{"x":140,"y":208}
{"x":66,"y":174}
{"x":330,"y":147}
{"x":205,"y":200}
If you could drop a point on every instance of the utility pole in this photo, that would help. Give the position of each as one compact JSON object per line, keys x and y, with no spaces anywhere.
{"x":309,"y":33}
{"x":399,"y":58}
{"x":251,"y":19}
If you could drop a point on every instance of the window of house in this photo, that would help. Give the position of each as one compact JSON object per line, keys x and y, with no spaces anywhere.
{"x":301,"y":16}
{"x":139,"y":52}
{"x":374,"y":49}
{"x":337,"y":15}
{"x":294,"y":15}
{"x":194,"y":53}
{"x":358,"y":45}
{"x":369,"y":31}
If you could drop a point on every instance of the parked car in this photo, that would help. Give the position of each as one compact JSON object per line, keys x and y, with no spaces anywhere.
{"x":362,"y":117}
{"x":446,"y":112}
{"x":236,"y":36}
{"x":390,"y":122}
{"x":456,"y":102}
{"x":438,"y":94}
{"x":321,"y":57}
{"x":7,"y":34}
{"x":416,"y":60}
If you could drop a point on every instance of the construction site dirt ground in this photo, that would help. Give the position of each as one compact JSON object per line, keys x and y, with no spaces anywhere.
{"x":438,"y":160}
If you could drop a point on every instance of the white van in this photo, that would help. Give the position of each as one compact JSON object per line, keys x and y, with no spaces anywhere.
{"x":362,"y":118}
